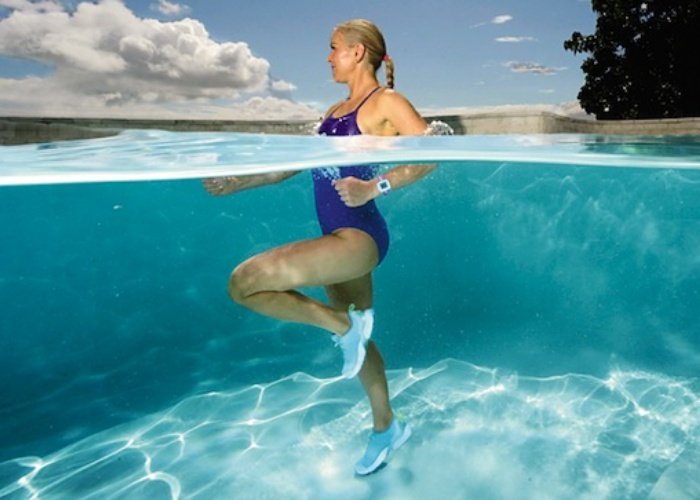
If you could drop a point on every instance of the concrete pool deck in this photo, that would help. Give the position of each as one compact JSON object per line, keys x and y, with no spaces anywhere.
{"x":23,"y":130}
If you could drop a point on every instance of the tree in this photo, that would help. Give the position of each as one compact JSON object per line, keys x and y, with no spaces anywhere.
{"x":645,"y":59}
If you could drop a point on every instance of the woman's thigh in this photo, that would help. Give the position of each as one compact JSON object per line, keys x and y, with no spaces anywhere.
{"x":335,"y":258}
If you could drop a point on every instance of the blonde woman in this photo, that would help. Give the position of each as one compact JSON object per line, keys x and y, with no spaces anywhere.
{"x":354,"y":237}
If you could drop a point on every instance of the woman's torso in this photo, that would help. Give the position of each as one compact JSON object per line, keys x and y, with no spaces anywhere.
{"x":331,"y":210}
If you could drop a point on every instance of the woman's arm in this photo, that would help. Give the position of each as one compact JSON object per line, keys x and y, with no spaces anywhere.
{"x":355,"y":192}
{"x":406,"y":121}
{"x":219,"y":186}
{"x":400,"y":118}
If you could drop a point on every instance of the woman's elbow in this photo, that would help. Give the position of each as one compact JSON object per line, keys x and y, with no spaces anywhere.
{"x":429,"y":168}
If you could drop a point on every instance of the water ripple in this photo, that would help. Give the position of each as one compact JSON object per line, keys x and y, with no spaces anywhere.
{"x":159,"y":155}
{"x":477,"y":433}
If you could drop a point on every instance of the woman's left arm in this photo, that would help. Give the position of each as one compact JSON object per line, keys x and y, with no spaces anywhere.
{"x":401,"y":118}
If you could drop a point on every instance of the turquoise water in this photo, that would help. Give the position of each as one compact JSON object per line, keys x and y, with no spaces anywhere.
{"x":537,"y":311}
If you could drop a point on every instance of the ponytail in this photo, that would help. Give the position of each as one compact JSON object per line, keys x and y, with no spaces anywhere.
{"x":389,"y":71}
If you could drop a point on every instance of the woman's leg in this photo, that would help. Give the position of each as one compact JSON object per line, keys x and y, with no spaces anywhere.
{"x":372,"y":375}
{"x":265,"y":283}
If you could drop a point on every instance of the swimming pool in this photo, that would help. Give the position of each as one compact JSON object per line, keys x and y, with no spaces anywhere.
{"x":537,"y":311}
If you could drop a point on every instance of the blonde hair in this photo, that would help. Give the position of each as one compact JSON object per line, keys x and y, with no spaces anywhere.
{"x":366,"y":32}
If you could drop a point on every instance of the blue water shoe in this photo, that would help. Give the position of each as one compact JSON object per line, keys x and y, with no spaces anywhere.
{"x":381,"y":445}
{"x":354,"y":342}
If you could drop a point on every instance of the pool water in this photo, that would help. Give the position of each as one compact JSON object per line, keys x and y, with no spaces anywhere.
{"x":537,"y":312}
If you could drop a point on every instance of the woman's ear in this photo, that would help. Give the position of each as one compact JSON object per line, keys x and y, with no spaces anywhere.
{"x":360,"y":52}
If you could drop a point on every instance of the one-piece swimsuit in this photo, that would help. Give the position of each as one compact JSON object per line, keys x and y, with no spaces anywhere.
{"x":332,"y":212}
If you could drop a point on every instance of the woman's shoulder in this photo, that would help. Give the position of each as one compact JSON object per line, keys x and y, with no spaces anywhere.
{"x":391,"y":95}
{"x":399,"y":113}
{"x":389,"y":99}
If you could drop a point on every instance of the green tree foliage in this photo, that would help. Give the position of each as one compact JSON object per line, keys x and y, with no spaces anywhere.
{"x":644,"y":59}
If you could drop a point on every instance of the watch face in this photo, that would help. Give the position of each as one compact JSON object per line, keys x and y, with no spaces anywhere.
{"x":384,"y":185}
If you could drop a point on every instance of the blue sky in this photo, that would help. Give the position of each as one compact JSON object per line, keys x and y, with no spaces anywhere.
{"x":267,"y":58}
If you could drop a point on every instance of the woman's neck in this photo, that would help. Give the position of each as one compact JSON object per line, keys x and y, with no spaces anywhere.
{"x":359,"y":86}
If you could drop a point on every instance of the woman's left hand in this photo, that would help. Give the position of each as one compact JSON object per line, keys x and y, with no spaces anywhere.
{"x":355,"y":192}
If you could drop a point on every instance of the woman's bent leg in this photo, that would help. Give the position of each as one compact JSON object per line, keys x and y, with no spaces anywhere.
{"x":265,"y":283}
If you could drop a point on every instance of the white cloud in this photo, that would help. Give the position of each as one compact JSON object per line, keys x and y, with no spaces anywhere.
{"x":107,"y":60}
{"x":111,"y":49}
{"x":171,"y":9}
{"x":501,"y":19}
{"x":34,"y":96}
{"x":530,"y":67}
{"x":515,"y":39}
{"x":273,"y":108}
{"x":27,"y":6}
{"x":504,"y":18}
{"x":282,"y":86}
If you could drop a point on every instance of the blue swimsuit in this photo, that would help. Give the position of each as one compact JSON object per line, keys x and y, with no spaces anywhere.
{"x":332,"y":213}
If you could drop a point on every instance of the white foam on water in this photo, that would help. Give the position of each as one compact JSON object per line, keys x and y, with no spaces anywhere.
{"x":141,"y":155}
{"x":478,"y":433}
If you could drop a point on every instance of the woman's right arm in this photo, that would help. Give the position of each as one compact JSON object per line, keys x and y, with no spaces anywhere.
{"x":220,"y":186}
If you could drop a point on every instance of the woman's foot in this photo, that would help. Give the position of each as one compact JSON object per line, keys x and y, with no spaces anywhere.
{"x":354,"y":342}
{"x":381,"y":445}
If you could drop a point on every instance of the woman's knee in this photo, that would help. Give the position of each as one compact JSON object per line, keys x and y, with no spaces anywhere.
{"x":245,"y":280}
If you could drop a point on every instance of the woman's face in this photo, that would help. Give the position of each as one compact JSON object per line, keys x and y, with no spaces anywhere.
{"x":341,"y":58}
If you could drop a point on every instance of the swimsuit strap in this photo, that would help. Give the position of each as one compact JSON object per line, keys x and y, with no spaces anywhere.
{"x":365,"y":99}
{"x":330,"y":115}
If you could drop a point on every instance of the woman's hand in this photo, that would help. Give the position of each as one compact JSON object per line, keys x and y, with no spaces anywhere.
{"x":355,"y":192}
{"x":220,"y":186}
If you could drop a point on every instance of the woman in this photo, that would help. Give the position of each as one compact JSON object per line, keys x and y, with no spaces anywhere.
{"x":355,"y":238}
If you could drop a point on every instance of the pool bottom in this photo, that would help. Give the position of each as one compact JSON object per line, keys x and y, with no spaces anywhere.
{"x":494,"y":434}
